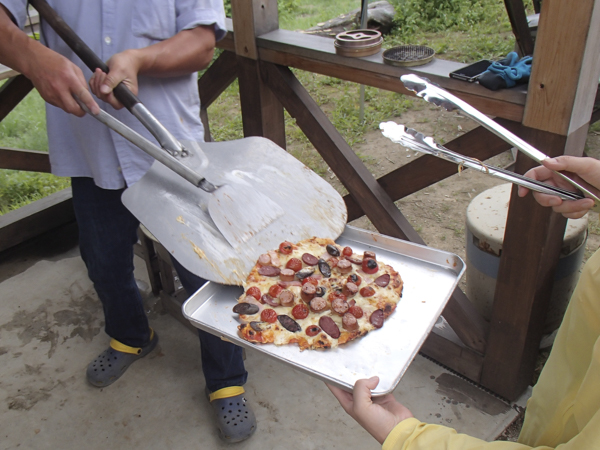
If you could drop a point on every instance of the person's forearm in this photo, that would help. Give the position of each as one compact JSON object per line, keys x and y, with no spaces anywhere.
{"x":17,"y":50}
{"x":187,"y":52}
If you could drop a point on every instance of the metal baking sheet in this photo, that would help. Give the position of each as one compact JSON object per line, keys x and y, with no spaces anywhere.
{"x":430,"y":276}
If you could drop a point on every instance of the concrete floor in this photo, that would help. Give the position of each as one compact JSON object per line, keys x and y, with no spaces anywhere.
{"x":51,"y":326}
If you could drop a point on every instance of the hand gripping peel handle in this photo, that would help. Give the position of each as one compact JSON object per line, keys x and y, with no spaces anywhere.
{"x":439,"y":97}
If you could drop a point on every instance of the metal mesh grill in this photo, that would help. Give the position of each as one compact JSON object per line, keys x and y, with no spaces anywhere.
{"x":408,"y":55}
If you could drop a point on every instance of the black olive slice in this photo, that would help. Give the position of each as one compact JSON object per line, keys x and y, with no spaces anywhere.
{"x":245,"y":308}
{"x":288,"y":323}
{"x":332,"y":250}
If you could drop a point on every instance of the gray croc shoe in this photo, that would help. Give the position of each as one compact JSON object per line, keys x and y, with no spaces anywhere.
{"x":114,"y":361}
{"x":235,"y":418}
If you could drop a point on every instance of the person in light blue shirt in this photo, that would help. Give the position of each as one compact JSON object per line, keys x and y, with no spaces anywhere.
{"x":156,"y":48}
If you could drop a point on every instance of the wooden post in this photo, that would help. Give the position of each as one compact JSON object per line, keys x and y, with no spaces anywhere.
{"x":562,"y":88}
{"x":262,"y":113}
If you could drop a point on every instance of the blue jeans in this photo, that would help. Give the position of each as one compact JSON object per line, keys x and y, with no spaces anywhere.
{"x":107,"y":234}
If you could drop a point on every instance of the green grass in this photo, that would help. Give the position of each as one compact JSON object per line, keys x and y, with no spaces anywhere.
{"x":25,"y":128}
{"x":460,"y":30}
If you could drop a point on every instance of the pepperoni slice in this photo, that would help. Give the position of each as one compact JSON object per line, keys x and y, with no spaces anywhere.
{"x":377,"y":318}
{"x":356,"y":311}
{"x":286,"y":248}
{"x":312,"y":330}
{"x":329,"y":326}
{"x":354,"y":278}
{"x":294,"y":263}
{"x":269,"y":271}
{"x":311,"y":280}
{"x":347,"y":251}
{"x":268,"y":315}
{"x":254,"y":292}
{"x":369,"y":266}
{"x":367,"y":291}
{"x":300,"y":311}
{"x":275,"y":290}
{"x":383,"y":280}
{"x":309,"y":259}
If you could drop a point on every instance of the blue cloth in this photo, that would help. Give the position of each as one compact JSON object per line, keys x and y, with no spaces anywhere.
{"x":507,"y":72}
{"x":83,"y":147}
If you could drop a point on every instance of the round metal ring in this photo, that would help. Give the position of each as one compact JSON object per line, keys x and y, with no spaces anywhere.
{"x":357,"y":38}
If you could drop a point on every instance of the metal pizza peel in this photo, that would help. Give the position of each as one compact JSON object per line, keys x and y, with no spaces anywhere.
{"x":161,"y":201}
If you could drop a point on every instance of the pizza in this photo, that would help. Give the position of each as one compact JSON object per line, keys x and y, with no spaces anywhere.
{"x":316,"y":294}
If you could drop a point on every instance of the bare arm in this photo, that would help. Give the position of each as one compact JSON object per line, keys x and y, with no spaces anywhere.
{"x":187,"y":52}
{"x":55,"y":77}
{"x":379,"y":415}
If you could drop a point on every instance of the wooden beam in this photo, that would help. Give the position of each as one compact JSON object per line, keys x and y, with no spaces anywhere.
{"x":337,"y":154}
{"x":262,"y":112}
{"x":562,"y":88}
{"x":520,"y":27}
{"x":36,"y":218}
{"x":28,"y":160}
{"x":460,"y":359}
{"x":221,"y":73}
{"x":12,"y":92}
{"x":251,"y":18}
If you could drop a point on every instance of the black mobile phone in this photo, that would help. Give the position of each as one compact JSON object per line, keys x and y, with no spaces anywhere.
{"x":471,"y":72}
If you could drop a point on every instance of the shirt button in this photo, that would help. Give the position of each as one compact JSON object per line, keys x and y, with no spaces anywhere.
{"x":108,"y":40}
{"x":119,"y":169}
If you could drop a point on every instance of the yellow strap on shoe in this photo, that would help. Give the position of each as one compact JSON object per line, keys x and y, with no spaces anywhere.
{"x":118,"y":346}
{"x":227,"y":392}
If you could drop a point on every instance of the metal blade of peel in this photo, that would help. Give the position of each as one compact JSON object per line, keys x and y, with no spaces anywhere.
{"x":240,"y":213}
{"x":439,"y":97}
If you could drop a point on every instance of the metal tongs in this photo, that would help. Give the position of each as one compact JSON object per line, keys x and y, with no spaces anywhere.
{"x":439,"y":97}
{"x":417,"y":141}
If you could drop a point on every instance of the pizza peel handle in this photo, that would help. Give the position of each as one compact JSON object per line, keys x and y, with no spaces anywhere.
{"x":237,"y":213}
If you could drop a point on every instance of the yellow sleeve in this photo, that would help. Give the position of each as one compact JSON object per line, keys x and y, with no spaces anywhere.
{"x":411,"y":434}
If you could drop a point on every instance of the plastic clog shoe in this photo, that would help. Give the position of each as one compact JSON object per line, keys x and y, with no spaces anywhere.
{"x":114,"y":361}
{"x":235,"y":418}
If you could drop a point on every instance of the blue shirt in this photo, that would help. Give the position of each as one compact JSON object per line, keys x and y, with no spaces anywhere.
{"x":83,"y":147}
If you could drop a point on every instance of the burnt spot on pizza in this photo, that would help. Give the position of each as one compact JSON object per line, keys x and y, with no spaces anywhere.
{"x":388,"y":308}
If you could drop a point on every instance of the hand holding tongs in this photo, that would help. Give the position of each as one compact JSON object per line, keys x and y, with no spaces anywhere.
{"x":438,"y":96}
